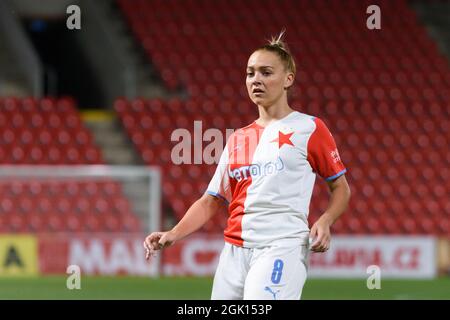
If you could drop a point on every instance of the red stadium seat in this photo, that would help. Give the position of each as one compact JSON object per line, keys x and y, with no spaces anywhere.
{"x":92,"y":223}
{"x":73,"y":223}
{"x":131,"y":223}
{"x":55,"y":223}
{"x":112,"y":223}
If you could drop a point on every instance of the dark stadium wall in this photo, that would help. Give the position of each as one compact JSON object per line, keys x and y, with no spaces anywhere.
{"x":67,"y":71}
{"x":42,"y":8}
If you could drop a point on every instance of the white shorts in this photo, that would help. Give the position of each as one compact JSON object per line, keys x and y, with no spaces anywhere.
{"x":276,"y":272}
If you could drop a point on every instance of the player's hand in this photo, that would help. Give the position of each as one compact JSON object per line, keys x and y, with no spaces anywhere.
{"x":157,"y":241}
{"x":320,"y":231}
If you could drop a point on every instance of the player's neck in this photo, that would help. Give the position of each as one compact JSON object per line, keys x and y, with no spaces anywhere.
{"x":267,"y":115}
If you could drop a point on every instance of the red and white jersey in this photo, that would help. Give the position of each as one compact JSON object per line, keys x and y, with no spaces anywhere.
{"x":267,"y":175}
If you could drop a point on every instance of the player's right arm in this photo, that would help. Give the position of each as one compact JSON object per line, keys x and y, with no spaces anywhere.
{"x":197,"y":215}
{"x":216,"y":195}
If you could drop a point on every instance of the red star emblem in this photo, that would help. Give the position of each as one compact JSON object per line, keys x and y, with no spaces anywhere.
{"x":283,"y":139}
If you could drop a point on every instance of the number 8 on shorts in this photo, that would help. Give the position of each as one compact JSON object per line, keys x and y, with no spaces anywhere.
{"x":277,"y":271}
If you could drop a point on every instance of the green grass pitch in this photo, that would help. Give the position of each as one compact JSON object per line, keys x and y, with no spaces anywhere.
{"x":180,"y":288}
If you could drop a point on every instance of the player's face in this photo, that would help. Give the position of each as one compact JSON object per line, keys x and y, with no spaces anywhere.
{"x":266,"y":78}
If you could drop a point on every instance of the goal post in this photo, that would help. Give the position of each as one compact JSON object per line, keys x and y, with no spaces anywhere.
{"x":148,"y":177}
{"x":107,"y":201}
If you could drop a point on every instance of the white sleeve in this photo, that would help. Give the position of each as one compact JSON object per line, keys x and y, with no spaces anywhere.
{"x":219,"y":186}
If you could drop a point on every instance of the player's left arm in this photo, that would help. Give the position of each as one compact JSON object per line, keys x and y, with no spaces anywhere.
{"x":326,"y":161}
{"x":339,"y":199}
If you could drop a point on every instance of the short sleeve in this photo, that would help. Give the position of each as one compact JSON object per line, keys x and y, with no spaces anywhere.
{"x":219,"y":186}
{"x":323,"y":154}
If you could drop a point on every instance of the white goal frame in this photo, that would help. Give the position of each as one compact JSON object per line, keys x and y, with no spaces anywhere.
{"x":96,"y":171}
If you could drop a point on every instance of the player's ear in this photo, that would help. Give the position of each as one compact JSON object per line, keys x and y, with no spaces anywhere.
{"x":289,"y":80}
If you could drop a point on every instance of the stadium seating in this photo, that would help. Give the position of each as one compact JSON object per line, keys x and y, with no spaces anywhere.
{"x":46,"y":131}
{"x":50,"y":131}
{"x":384,"y":94}
{"x":56,"y":206}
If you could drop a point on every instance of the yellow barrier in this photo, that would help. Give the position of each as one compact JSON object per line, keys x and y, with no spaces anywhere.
{"x":18,"y":255}
{"x":97,"y":115}
{"x":443,"y":256}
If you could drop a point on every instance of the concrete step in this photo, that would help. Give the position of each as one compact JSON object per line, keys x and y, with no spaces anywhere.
{"x":103,"y":124}
{"x":119,"y":155}
{"x":108,"y":134}
{"x":150,"y":85}
{"x":111,"y":138}
{"x":12,"y":88}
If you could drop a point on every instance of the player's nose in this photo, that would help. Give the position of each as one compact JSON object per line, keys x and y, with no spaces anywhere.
{"x":256,"y":83}
{"x":257,"y":78}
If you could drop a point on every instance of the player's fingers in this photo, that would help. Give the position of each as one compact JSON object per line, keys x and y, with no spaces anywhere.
{"x":322,"y":247}
{"x":312,"y":236}
{"x":149,"y":239}
{"x":148,"y":251}
{"x":161,"y":243}
{"x":319,"y":239}
{"x":147,"y":243}
{"x":155,"y":246}
{"x":313,"y":232}
{"x":319,"y":248}
{"x":324,"y":244}
{"x":324,"y":241}
{"x":328,"y":244}
{"x":154,"y":241}
{"x":324,"y":236}
{"x":151,"y":242}
{"x":164,"y":241}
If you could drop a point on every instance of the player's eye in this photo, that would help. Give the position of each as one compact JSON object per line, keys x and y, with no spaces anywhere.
{"x":250,"y":74}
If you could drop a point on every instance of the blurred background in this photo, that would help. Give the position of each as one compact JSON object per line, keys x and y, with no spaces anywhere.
{"x":86,"y":117}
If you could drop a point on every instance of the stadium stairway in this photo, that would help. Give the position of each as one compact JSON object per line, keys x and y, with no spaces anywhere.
{"x":139,"y":71}
{"x":110,"y":138}
{"x":117,"y":149}
{"x":11,"y":82}
{"x":16,"y":57}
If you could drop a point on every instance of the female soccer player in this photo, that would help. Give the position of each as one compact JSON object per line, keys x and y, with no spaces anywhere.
{"x":265,"y":177}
